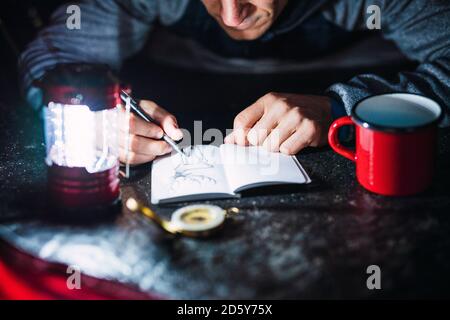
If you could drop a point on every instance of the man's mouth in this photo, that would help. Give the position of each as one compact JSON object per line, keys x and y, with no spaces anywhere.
{"x":247,"y":23}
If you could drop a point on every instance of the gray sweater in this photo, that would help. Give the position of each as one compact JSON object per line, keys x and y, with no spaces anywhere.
{"x":113,"y":30}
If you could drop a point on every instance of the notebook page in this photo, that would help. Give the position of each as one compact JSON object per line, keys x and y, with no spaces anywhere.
{"x":201,"y":173}
{"x":247,"y":167}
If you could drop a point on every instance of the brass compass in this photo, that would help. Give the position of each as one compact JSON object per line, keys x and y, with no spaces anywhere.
{"x":195,"y":221}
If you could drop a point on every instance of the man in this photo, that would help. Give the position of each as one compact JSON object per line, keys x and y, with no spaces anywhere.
{"x":113,"y":30}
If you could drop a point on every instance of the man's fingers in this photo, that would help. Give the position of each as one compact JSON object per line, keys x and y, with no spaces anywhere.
{"x":262,"y":129}
{"x":296,"y":142}
{"x":145,"y":146}
{"x":230,"y":139}
{"x":287,"y":126}
{"x":268,"y":111}
{"x":239,"y":137}
{"x":170,"y":126}
{"x":276,"y":138}
{"x":167,"y":121}
{"x":243,"y":122}
{"x":280,"y":112}
{"x":248,"y":117}
{"x":143,"y":128}
{"x":284,"y":122}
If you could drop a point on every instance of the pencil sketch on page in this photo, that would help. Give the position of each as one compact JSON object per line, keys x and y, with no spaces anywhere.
{"x":194,"y":168}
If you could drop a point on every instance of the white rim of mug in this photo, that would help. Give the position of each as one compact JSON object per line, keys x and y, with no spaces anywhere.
{"x":368,"y":125}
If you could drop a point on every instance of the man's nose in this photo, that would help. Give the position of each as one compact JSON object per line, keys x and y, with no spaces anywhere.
{"x":231,"y":13}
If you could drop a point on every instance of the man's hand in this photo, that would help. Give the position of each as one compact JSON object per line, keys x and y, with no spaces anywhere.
{"x":145,"y":144}
{"x":284,"y":123}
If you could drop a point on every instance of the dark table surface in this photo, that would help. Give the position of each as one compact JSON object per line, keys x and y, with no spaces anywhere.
{"x":313,"y":242}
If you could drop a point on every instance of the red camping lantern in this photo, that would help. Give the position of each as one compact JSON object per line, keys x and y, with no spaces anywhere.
{"x":81,"y":130}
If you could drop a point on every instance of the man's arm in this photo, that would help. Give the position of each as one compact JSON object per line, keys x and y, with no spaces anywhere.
{"x":421,"y":30}
{"x":109,"y":33}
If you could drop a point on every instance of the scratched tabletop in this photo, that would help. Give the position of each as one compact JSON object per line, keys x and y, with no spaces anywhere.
{"x":313,"y":241}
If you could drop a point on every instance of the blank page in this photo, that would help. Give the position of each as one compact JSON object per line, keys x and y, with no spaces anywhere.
{"x":247,"y":167}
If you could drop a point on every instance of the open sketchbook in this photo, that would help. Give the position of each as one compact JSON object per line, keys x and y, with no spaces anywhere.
{"x":210,"y":172}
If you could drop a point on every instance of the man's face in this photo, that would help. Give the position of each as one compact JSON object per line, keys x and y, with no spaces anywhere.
{"x":245,"y":19}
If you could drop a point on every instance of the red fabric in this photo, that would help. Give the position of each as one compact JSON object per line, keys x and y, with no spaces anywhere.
{"x":23,"y":277}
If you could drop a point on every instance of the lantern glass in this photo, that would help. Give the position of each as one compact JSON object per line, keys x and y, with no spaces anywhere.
{"x":77,"y":137}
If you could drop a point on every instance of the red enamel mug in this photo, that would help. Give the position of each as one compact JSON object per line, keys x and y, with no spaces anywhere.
{"x":396,"y":139}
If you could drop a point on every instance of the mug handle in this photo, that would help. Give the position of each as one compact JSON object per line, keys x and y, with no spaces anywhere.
{"x":333,"y":139}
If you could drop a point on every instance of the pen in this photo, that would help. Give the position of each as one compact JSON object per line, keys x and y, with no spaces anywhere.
{"x":137,"y":110}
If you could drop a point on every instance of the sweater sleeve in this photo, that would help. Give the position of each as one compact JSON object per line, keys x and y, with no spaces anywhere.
{"x":110,"y":31}
{"x":420,"y":29}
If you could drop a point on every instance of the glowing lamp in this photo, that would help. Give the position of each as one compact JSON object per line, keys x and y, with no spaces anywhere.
{"x":81,"y":133}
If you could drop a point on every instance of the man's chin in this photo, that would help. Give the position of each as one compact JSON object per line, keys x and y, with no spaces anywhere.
{"x":245,"y":35}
